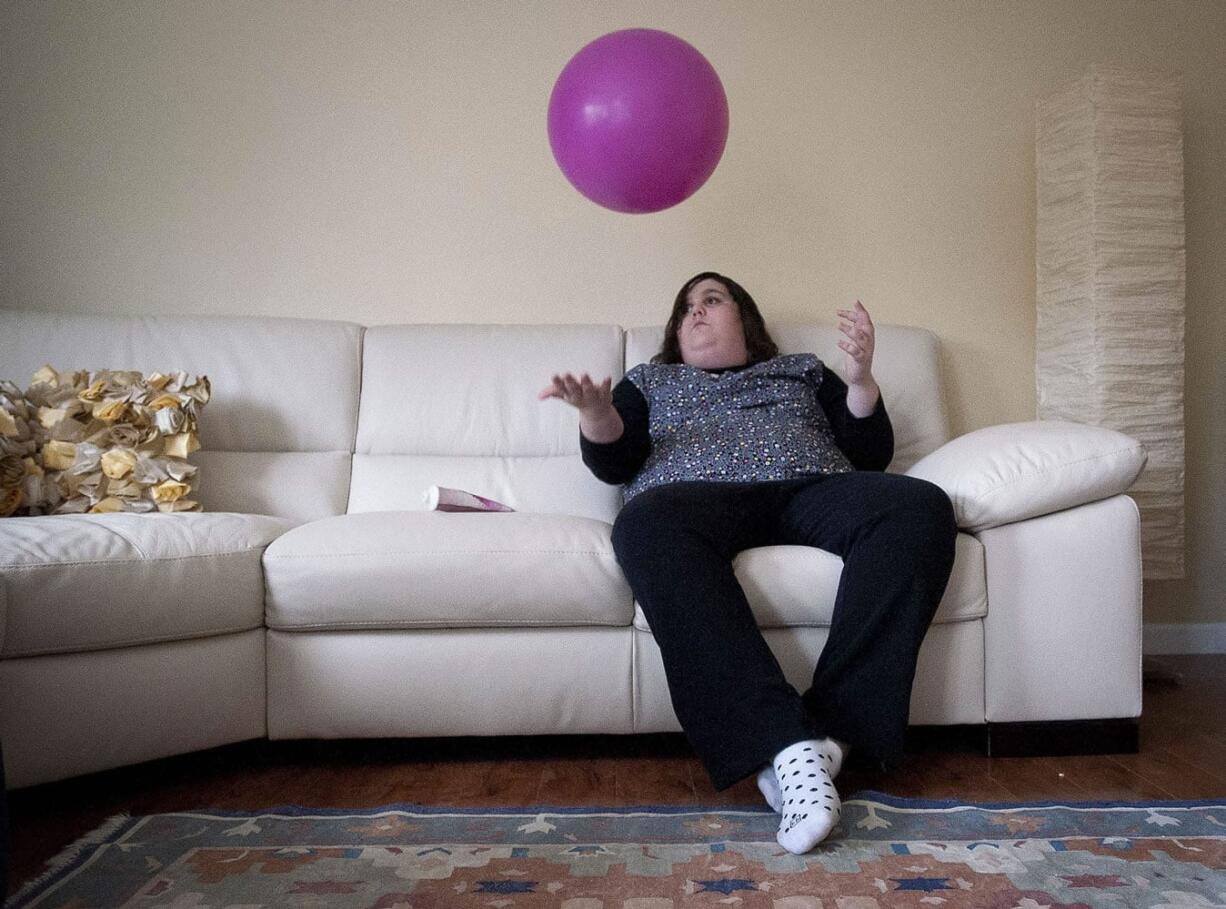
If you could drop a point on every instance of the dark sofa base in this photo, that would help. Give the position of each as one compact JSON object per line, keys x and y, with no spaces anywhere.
{"x":1050,"y":738}
{"x":1119,"y":736}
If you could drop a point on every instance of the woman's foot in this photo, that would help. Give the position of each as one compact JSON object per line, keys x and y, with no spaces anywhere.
{"x":808,"y":800}
{"x":768,"y":785}
{"x":833,"y":751}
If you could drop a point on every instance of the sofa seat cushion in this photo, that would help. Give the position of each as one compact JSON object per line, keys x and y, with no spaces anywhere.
{"x":93,"y":582}
{"x":795,"y":586}
{"x":406,"y":569}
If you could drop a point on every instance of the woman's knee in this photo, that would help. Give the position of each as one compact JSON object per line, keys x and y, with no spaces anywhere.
{"x":685,"y":519}
{"x":649,"y":520}
{"x":928,"y":497}
{"x":929,"y":512}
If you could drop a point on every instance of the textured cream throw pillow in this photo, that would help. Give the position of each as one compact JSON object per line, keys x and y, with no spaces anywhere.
{"x":104,"y":441}
{"x":20,"y":439}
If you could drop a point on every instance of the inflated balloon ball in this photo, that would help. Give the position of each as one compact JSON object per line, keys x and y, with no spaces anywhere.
{"x":638,"y":120}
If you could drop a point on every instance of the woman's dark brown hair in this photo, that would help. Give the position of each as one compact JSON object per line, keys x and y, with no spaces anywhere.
{"x":757,"y":339}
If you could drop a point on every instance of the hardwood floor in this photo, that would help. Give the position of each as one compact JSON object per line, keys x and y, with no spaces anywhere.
{"x":1182,"y":756}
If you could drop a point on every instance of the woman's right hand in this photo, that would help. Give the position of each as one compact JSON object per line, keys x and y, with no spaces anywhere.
{"x":599,"y":420}
{"x":581,"y":393}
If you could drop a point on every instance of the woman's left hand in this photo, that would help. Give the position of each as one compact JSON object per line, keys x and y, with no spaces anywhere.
{"x":858,"y":345}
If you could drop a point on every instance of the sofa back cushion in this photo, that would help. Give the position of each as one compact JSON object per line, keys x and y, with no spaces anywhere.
{"x":905,"y":364}
{"x":277,"y":435}
{"x":456,"y":405}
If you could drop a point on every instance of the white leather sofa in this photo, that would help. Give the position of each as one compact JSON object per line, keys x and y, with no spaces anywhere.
{"x":315,"y":597}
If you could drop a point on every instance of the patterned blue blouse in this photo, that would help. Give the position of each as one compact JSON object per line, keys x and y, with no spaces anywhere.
{"x":779,"y":419}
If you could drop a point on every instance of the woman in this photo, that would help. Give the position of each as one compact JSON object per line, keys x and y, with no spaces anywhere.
{"x":725,"y":445}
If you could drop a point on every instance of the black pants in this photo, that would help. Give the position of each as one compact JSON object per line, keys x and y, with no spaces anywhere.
{"x":676,"y":543}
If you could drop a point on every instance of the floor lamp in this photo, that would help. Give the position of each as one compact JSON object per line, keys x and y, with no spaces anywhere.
{"x":1109,"y":340}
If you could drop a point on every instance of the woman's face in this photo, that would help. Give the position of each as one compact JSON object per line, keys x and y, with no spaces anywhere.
{"x":711,"y":335}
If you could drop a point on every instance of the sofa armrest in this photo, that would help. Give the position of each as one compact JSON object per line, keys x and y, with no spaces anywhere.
{"x":1017,"y":471}
{"x":1062,"y":637}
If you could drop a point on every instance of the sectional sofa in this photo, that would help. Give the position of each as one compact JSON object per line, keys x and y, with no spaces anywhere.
{"x":315,"y":597}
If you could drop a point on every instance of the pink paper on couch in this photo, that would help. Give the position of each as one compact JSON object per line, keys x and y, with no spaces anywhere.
{"x":444,"y":498}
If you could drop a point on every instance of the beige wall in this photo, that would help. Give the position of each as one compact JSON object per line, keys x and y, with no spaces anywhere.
{"x":388,"y":162}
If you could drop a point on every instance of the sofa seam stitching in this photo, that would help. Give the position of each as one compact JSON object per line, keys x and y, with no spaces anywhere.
{"x":444,"y":625}
{"x":104,"y":526}
{"x":103,"y":646}
{"x":1030,"y":476}
{"x":109,"y":563}
{"x":432,"y":552}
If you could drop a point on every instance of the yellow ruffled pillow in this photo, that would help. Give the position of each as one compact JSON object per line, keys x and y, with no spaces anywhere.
{"x":20,"y":440}
{"x":109,"y":441}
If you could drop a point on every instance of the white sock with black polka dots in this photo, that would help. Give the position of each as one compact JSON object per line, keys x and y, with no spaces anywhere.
{"x":833,"y":752}
{"x":810,"y":803}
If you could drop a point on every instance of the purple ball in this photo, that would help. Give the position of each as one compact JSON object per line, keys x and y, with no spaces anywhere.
{"x":638,"y":120}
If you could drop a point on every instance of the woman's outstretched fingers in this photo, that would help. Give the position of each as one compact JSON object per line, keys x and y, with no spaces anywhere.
{"x":552,"y":390}
{"x":580,"y":392}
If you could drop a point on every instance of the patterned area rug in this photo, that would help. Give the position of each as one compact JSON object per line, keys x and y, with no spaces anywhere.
{"x":886,"y":852}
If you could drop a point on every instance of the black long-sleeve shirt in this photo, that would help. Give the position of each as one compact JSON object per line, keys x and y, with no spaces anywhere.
{"x":779,"y":419}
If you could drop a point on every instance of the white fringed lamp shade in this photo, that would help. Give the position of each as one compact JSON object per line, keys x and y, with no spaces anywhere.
{"x":1109,"y":342}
